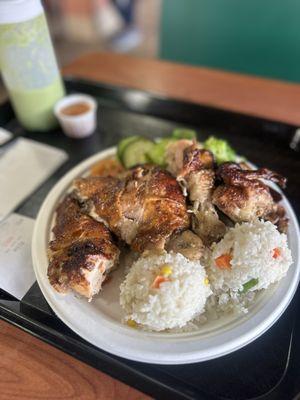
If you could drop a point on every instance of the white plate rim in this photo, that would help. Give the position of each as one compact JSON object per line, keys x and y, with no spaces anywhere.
{"x":150,"y":355}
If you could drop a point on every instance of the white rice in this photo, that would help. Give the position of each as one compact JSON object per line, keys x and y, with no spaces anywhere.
{"x":171,"y":305}
{"x":251,"y":246}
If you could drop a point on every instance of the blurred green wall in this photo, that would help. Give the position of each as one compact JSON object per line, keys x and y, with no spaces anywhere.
{"x":260,"y":37}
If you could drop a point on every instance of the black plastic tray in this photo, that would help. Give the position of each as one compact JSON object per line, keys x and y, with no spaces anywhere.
{"x":268,"y":368}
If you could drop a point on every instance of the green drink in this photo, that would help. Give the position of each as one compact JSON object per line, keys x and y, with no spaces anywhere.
{"x":34,"y":108}
{"x":28,"y":63}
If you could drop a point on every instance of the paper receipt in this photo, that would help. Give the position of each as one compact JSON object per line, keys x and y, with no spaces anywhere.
{"x":16,"y":271}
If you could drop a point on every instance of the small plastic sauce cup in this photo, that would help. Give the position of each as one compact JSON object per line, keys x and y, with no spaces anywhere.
{"x":77,"y":115}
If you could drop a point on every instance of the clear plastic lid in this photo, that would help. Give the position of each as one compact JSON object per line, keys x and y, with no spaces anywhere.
{"x":14,"y":11}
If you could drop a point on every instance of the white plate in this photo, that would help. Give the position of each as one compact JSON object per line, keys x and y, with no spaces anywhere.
{"x":99,"y":321}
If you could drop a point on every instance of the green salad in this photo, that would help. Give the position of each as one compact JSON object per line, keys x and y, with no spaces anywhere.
{"x":135,"y":150}
{"x":221,"y":149}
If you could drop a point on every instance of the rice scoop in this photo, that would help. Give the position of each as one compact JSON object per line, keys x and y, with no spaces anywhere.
{"x":164,"y":291}
{"x":250,"y":257}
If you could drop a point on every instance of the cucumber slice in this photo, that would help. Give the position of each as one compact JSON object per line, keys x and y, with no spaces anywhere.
{"x":123,"y":143}
{"x":158,"y":152}
{"x":182,"y":133}
{"x":135,"y":152}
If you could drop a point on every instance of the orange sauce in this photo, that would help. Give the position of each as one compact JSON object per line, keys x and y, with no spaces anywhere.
{"x":76,"y":109}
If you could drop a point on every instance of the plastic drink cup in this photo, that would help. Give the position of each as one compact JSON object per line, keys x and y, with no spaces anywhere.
{"x":28,"y":64}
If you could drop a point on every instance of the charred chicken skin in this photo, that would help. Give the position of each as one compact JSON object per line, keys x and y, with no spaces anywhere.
{"x":193,"y":168}
{"x":243,"y":197}
{"x":143,"y":207}
{"x":82,"y":252}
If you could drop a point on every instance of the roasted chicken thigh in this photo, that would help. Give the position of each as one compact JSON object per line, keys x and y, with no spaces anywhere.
{"x":193,"y":167}
{"x":143,"y":207}
{"x":244,"y":197}
{"x":82,"y":252}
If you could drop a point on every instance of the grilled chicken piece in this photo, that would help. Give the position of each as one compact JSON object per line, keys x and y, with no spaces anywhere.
{"x":82,"y":253}
{"x":243,"y":197}
{"x":174,"y":155}
{"x":186,"y":243}
{"x":143,"y":208}
{"x":207,"y":225}
{"x":193,"y":167}
{"x":233,"y":174}
{"x":278,"y":218}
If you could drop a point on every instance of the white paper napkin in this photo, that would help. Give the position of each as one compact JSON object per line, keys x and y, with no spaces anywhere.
{"x":24,"y":166}
{"x":16,"y":272}
{"x":4,"y":135}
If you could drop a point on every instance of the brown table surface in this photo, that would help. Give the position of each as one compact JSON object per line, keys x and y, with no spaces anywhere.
{"x":31,"y":369}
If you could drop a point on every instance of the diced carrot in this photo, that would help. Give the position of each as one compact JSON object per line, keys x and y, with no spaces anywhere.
{"x":276,"y":252}
{"x":223,"y":261}
{"x":158,"y":281}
